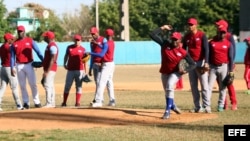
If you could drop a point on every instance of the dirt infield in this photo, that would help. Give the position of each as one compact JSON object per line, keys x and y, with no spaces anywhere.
{"x":85,"y":117}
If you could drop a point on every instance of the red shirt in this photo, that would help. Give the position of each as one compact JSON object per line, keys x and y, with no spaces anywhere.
{"x":75,"y":57}
{"x":109,"y":56}
{"x":170,"y":58}
{"x":47,"y":57}
{"x":194,"y":44}
{"x":247,"y":57}
{"x":96,"y":49}
{"x":5,"y":54}
{"x":23,"y":49}
{"x":219,"y":51}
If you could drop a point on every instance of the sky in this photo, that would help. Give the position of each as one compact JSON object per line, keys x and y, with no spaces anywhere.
{"x":59,"y":6}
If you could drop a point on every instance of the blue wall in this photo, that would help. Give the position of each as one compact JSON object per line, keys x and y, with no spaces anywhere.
{"x":135,"y":52}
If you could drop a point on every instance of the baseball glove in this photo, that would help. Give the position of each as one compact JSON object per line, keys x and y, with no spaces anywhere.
{"x":37,"y":64}
{"x":228,"y":79}
{"x":85,"y":58}
{"x":42,"y":81}
{"x":86,"y":79}
{"x":184,"y":66}
{"x":202,"y":70}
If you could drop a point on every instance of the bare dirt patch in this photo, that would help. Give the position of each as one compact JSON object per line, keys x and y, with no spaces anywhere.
{"x":72,"y":118}
{"x":126,"y":78}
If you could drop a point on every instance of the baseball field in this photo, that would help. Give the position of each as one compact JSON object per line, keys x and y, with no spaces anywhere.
{"x":137,"y":115}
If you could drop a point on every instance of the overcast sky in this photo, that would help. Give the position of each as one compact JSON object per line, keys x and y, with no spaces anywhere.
{"x":59,"y":6}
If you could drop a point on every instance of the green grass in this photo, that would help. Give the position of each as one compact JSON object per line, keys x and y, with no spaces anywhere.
{"x":205,"y":130}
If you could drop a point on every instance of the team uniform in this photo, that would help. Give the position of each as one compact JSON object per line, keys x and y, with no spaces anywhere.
{"x":106,"y":74}
{"x":247,"y":65}
{"x":95,"y":61}
{"x":75,"y":70}
{"x":21,"y":51}
{"x":231,"y":90}
{"x":170,"y":58}
{"x":221,"y":63}
{"x":5,"y":73}
{"x":197,"y":46}
{"x":50,"y":68}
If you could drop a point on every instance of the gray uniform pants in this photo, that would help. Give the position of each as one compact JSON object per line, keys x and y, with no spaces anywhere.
{"x":219,"y":72}
{"x":194,"y":77}
{"x":6,"y":78}
{"x":105,"y":80}
{"x":168,"y":83}
{"x":50,"y":88}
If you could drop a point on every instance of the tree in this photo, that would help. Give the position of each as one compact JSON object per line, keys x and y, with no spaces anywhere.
{"x":145,"y":15}
{"x":78,"y":23}
{"x":4,"y":26}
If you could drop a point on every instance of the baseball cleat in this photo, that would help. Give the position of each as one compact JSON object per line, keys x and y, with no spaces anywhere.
{"x":64,"y":105}
{"x":166,"y":115}
{"x":96,"y":105}
{"x":26,"y":106}
{"x":176,"y":110}
{"x":38,"y":105}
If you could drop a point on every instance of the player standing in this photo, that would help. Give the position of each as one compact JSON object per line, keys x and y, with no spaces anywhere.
{"x":247,"y":65}
{"x":171,"y":55}
{"x":231,"y":91}
{"x":6,"y":76}
{"x":75,"y":69}
{"x":195,"y":41}
{"x":220,"y":64}
{"x":21,"y":51}
{"x":97,"y":43}
{"x":107,"y":71}
{"x":50,"y":68}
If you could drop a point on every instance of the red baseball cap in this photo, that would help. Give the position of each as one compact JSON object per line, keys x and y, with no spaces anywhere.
{"x":223,"y":28}
{"x":93,"y":30}
{"x":20,"y":28}
{"x":78,"y":37}
{"x":222,"y":23}
{"x":192,"y":21}
{"x":109,"y":32}
{"x":247,"y":39}
{"x":49,"y":34}
{"x":8,"y":36}
{"x":176,"y":35}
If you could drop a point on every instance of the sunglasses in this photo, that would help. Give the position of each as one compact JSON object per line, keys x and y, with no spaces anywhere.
{"x":190,"y":24}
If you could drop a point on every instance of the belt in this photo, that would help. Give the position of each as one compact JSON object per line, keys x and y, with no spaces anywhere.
{"x":218,"y":65}
{"x":23,"y":62}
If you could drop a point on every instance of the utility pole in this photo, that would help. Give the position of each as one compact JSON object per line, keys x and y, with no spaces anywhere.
{"x":124,"y":20}
{"x":97,"y":13}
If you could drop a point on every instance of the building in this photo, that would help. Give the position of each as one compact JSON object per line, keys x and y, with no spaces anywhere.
{"x":26,"y":17}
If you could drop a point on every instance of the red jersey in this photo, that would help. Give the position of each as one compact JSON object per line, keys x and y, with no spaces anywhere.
{"x":23,"y":49}
{"x":170,"y":58}
{"x":75,"y":57}
{"x":109,"y":56}
{"x":194,"y":44}
{"x":47,"y":57}
{"x":96,"y":49}
{"x":5,"y":54}
{"x":247,"y":57}
{"x":219,"y":51}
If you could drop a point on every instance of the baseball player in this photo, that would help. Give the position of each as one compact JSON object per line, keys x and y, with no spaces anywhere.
{"x":97,"y":43}
{"x":6,"y":76}
{"x":221,"y":63}
{"x":49,"y":68}
{"x":21,"y":51}
{"x":107,"y":71}
{"x":247,"y":65}
{"x":171,"y":54}
{"x":231,"y":91}
{"x":75,"y":69}
{"x":195,"y":41}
